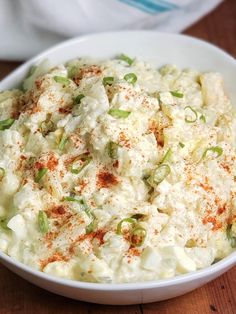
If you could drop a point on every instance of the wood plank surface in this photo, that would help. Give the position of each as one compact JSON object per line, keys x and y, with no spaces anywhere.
{"x":18,"y":296}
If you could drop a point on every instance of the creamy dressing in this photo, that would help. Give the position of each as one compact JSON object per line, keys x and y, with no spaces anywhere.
{"x":117,"y":180}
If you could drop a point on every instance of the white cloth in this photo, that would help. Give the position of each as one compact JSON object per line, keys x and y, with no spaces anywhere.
{"x":29,"y":26}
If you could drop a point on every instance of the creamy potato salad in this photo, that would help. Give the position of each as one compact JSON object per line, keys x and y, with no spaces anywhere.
{"x":114,"y":171}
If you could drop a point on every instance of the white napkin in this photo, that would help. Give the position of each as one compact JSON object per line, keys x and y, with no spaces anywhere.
{"x":29,"y":26}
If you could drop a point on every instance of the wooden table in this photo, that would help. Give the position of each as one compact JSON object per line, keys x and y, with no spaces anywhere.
{"x":219,"y":296}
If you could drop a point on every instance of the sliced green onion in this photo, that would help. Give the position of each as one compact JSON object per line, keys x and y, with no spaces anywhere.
{"x":108,"y":80}
{"x":79,"y":98}
{"x":230,"y":237}
{"x":43,"y":222}
{"x":3,"y":224}
{"x":112,"y":149}
{"x":167,"y":156}
{"x":125,"y":58}
{"x":40,"y":174}
{"x":177,"y":94}
{"x":63,"y":142}
{"x":82,"y":202}
{"x":86,"y":208}
{"x":62,"y":80}
{"x":118,"y":113}
{"x":6,"y":124}
{"x":203,"y":118}
{"x":125,"y":220}
{"x":90,"y":227}
{"x":214,"y":149}
{"x":159,"y":175}
{"x":191,"y":118}
{"x":138,"y":236}
{"x":32,"y":70}
{"x":71,"y":71}
{"x":86,"y":160}
{"x":71,"y":199}
{"x":2,"y":173}
{"x":181,"y":145}
{"x":130,"y":78}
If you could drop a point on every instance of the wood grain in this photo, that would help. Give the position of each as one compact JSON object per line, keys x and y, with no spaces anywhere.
{"x":18,"y":296}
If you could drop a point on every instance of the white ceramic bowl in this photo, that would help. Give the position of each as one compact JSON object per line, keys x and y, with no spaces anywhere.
{"x":158,"y":49}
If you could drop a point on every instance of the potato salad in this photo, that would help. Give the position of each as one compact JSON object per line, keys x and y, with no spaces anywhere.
{"x":114,"y":171}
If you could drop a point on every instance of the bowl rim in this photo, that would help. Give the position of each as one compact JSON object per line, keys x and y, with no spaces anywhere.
{"x":42,"y":55}
{"x":225,"y":263}
{"x":219,"y":266}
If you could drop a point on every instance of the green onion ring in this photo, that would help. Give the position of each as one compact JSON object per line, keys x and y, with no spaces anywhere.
{"x":130,"y":78}
{"x":43,"y":221}
{"x":108,"y":80}
{"x":128,"y":220}
{"x":138,"y":236}
{"x":78,"y":98}
{"x":187,"y":118}
{"x":215,"y":149}
{"x":125,"y":58}
{"x":159,"y":174}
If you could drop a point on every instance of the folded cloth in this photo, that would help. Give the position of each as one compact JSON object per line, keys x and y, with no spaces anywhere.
{"x":29,"y":26}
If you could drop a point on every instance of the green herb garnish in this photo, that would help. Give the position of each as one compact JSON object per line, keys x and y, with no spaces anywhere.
{"x":43,"y":221}
{"x":85,"y":159}
{"x":3,"y":224}
{"x":118,"y":113}
{"x":90,"y":227}
{"x":192,"y":117}
{"x":138,"y":236}
{"x":217,"y":150}
{"x":112,"y":148}
{"x":125,"y":58}
{"x":177,"y":94}
{"x":203,"y":118}
{"x":71,"y":71}
{"x":62,"y":80}
{"x":78,"y":98}
{"x":130,"y":78}
{"x":40,"y":174}
{"x":108,"y":80}
{"x":62,"y":142}
{"x":167,"y":156}
{"x":6,"y":124}
{"x":131,"y":221}
{"x":159,"y":174}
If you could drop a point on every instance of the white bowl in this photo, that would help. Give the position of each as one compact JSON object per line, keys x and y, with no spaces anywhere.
{"x":158,"y":49}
